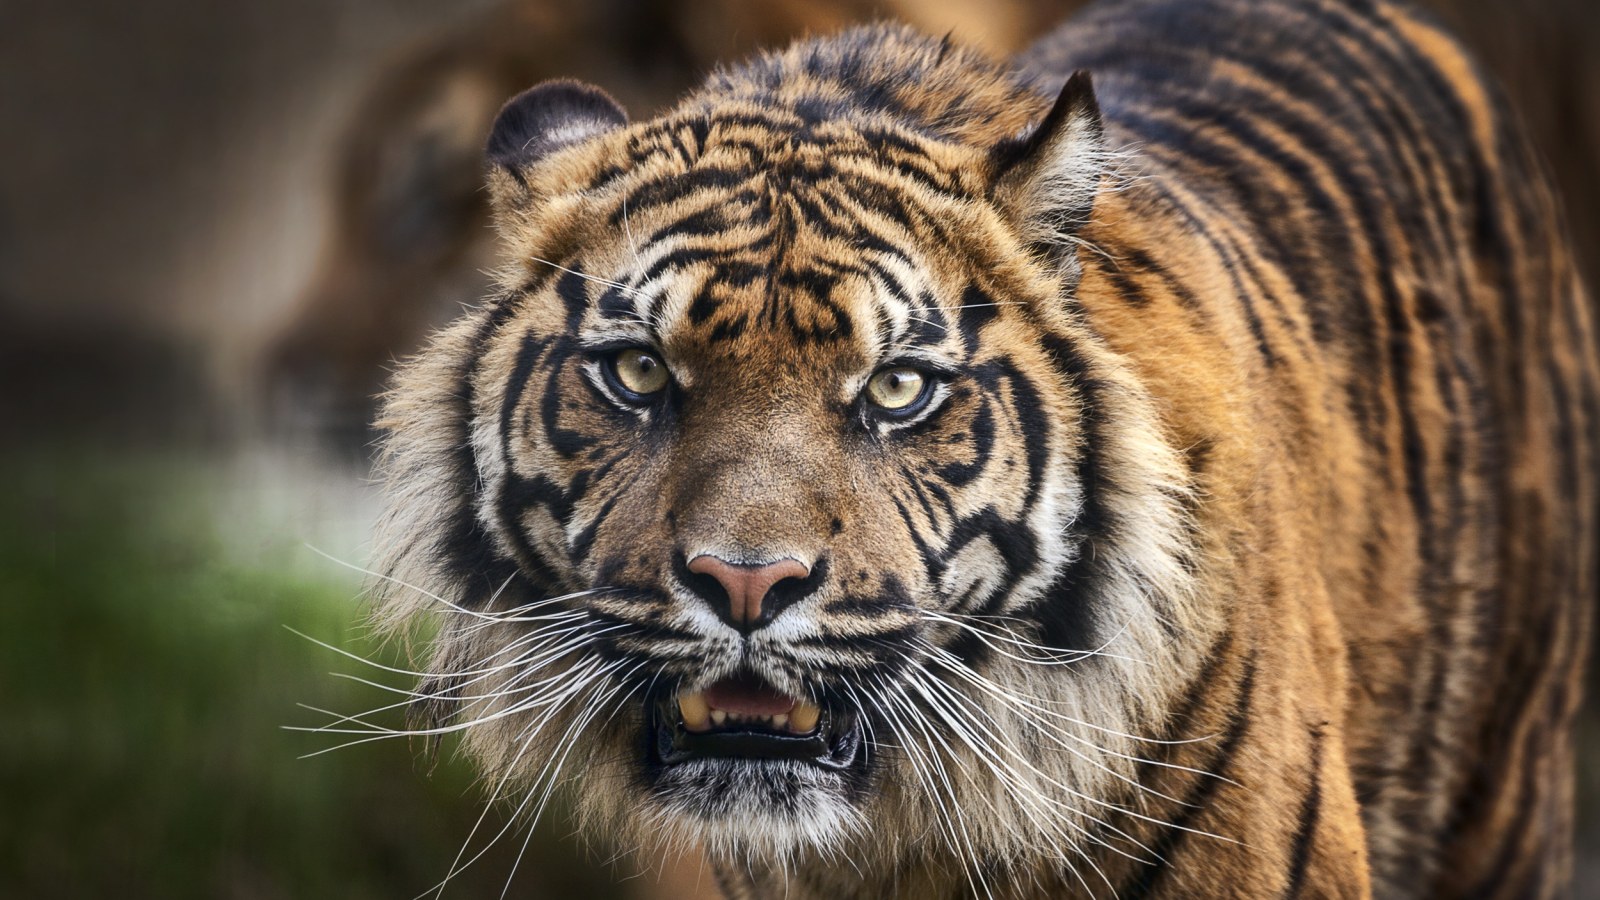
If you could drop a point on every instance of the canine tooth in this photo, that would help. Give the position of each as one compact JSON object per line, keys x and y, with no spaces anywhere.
{"x":718,"y":717}
{"x":779,"y":721}
{"x":804,"y":717}
{"x":694,"y":711}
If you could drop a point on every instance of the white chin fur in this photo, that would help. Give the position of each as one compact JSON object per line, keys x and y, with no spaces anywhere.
{"x":743,"y":809}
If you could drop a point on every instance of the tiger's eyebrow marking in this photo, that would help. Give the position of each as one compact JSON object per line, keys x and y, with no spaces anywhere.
{"x":633,"y":292}
{"x":935,"y":362}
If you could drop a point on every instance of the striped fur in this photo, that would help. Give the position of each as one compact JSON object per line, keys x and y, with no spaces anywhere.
{"x":1244,"y":549}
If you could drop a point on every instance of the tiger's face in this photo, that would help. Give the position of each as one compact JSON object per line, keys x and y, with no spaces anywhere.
{"x":768,"y":464}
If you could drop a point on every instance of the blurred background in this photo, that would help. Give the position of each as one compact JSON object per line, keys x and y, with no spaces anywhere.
{"x":219,"y":226}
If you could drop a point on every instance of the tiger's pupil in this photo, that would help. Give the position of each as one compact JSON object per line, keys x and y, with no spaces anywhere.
{"x":641,"y":371}
{"x":896,"y":388}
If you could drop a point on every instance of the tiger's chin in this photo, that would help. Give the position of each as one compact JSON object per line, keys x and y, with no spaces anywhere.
{"x":744,"y":770}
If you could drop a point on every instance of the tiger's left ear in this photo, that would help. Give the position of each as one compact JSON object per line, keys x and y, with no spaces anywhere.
{"x":535,"y":126}
{"x":1046,"y":180}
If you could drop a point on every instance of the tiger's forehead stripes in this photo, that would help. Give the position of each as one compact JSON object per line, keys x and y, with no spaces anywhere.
{"x":796,"y":249}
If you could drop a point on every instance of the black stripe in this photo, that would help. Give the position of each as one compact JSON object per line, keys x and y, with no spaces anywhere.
{"x":1310,"y":816}
{"x":584,"y":542}
{"x":960,"y":474}
{"x":677,"y":185}
{"x":467,"y":550}
{"x":1065,"y":613}
{"x":1172,"y":839}
{"x":1199,"y":688}
{"x":1142,"y":260}
{"x":678,"y":259}
{"x":976,"y":310}
{"x":933,"y":566}
{"x":1513,"y":851}
{"x":1226,"y":254}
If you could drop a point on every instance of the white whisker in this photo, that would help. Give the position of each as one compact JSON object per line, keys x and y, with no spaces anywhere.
{"x":634,"y":293}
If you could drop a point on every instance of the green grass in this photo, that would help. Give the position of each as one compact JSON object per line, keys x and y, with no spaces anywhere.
{"x":146,"y":673}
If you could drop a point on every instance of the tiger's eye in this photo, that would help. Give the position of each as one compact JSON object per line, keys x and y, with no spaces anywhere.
{"x":640,"y":371}
{"x":896,"y":388}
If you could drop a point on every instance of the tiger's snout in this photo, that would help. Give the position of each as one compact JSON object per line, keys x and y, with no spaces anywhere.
{"x":748,"y":595}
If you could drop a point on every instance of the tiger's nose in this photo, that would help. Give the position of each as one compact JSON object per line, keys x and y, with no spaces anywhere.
{"x":748,"y":598}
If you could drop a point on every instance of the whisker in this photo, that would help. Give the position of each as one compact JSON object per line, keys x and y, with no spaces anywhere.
{"x":387,"y":668}
{"x":554,"y":775}
{"x":375,"y":732}
{"x":1052,"y":656}
{"x":635,"y":293}
{"x":511,"y":688}
{"x":1009,"y":774}
{"x":1034,"y":712}
{"x":956,"y":666}
{"x":529,"y":734}
{"x":456,"y":866}
{"x":954,"y":830}
{"x":983,"y":714}
{"x":490,"y":617}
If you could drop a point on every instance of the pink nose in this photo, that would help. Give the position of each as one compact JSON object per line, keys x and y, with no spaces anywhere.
{"x":746,"y":587}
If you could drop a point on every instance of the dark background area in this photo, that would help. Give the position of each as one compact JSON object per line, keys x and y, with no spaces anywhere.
{"x":219,"y":224}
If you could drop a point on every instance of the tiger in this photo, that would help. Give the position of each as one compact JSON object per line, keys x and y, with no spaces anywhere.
{"x":1161,"y":464}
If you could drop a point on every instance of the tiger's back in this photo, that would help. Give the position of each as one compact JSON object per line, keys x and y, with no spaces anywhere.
{"x":1396,"y":280}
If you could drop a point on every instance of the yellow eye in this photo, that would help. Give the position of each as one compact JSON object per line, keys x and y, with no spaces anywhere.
{"x":897,"y":389}
{"x":640,"y":371}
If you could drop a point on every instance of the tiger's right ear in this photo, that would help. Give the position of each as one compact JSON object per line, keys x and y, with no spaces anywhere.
{"x":535,"y":125}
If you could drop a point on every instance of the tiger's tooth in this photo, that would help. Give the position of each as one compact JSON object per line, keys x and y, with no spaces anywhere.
{"x":778,"y":722}
{"x":694,"y":711}
{"x":803,"y":717}
{"x":718,"y":717}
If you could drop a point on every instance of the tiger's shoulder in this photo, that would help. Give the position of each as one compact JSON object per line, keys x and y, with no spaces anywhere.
{"x":1347,"y":271}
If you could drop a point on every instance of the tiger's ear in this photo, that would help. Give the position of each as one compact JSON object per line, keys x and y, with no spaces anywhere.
{"x":536,"y":124}
{"x":1046,"y":180}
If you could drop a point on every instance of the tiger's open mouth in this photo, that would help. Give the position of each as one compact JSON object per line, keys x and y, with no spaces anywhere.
{"x":744,"y":718}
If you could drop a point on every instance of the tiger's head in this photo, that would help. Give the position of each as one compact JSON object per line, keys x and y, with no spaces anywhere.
{"x":780,"y":501}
